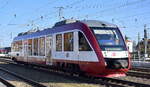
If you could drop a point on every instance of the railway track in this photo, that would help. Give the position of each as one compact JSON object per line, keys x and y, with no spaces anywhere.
{"x":109,"y":82}
{"x":125,"y":83}
{"x":67,"y":75}
{"x":6,"y":83}
{"x":28,"y":81}
{"x":106,"y":81}
{"x":139,"y":74}
{"x":141,"y":69}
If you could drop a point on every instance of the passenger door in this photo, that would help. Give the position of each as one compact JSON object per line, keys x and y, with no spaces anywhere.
{"x":49,"y":50}
{"x":25,"y":50}
{"x":70,"y":46}
{"x":86,"y":52}
{"x":65,"y":46}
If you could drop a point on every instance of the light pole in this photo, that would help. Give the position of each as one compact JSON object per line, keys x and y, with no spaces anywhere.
{"x":145,"y":41}
{"x":139,"y":52}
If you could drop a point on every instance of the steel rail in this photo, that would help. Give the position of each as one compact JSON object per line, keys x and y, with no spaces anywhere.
{"x":141,"y":69}
{"x":135,"y":84}
{"x":31,"y":82}
{"x":139,"y":74}
{"x":101,"y":80}
{"x":67,"y":75}
{"x":6,"y":83}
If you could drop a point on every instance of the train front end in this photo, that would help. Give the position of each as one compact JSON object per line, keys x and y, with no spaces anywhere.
{"x":111,"y":50}
{"x":114,"y":50}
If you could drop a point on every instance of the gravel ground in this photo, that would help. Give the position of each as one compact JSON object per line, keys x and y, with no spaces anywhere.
{"x":49,"y":80}
{"x":135,"y":79}
{"x":140,"y":72}
{"x":13,"y":80}
{"x":52,"y":80}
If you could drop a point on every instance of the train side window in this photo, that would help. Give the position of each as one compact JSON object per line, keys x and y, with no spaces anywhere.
{"x":35,"y":47}
{"x":30,"y":46}
{"x":68,"y":41}
{"x":83,"y":44}
{"x":59,"y":42}
{"x":12,"y":46}
{"x":20,"y":46}
{"x":17,"y":46}
{"x":42,"y":46}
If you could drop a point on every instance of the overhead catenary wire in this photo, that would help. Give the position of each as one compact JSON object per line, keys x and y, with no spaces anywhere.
{"x":129,"y":3}
{"x":126,"y":4}
{"x":46,"y":15}
{"x":78,"y":9}
{"x":36,"y":19}
{"x":4,"y":5}
{"x":116,"y":7}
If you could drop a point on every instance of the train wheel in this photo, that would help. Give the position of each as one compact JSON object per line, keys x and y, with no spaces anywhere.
{"x":14,"y":59}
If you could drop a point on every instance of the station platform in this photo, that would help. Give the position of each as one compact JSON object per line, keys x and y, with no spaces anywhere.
{"x":140,"y":64}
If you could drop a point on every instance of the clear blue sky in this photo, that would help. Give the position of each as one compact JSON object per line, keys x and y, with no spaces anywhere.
{"x":15,"y":15}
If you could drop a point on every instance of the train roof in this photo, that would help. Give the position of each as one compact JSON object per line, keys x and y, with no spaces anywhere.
{"x":60,"y":27}
{"x":90,"y":23}
{"x":95,"y":23}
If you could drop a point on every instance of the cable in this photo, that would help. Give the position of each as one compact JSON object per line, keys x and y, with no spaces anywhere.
{"x":45,"y":5}
{"x":118,"y":7}
{"x":134,"y":15}
{"x":44,"y":16}
{"x":6,"y":2}
{"x":74,"y":3}
{"x":39,"y":18}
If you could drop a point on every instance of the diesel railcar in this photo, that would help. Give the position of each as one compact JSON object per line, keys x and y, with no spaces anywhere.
{"x":95,"y":48}
{"x":4,"y":51}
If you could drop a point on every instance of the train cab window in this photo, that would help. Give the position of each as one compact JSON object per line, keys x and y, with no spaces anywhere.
{"x":68,"y":41}
{"x":35,"y":53}
{"x":30,"y":46}
{"x":58,"y":42}
{"x":42,"y":46}
{"x":83,"y":44}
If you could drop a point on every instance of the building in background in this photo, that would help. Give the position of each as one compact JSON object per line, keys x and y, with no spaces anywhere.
{"x":142,"y":48}
{"x":129,"y":44}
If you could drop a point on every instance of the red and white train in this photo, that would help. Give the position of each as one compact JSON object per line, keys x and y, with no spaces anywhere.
{"x":4,"y":51}
{"x":94,"y":47}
